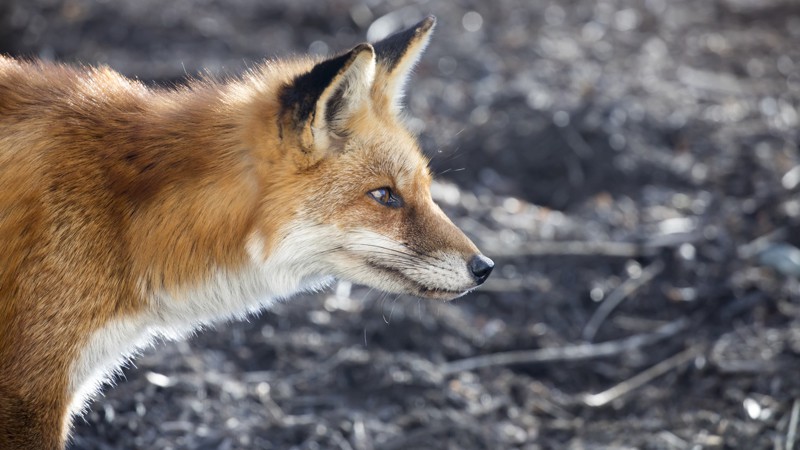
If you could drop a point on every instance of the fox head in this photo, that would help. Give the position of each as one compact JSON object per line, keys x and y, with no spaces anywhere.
{"x":354,"y":188}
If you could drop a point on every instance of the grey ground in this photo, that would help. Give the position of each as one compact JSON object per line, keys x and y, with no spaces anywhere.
{"x":632,"y":167}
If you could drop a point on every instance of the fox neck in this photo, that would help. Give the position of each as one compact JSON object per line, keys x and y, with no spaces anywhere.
{"x":221,"y":252}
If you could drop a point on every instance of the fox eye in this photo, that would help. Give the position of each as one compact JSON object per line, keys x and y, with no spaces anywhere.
{"x":386,"y":197}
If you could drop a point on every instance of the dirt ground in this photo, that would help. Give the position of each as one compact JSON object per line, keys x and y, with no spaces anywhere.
{"x":631,"y":166}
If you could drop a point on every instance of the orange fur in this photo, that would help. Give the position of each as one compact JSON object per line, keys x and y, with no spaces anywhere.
{"x":116,"y":199}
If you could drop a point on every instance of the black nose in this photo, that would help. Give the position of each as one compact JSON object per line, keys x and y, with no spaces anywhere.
{"x":481,"y":267}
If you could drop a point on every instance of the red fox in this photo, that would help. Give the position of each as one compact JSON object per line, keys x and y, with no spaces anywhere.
{"x":129,"y":212}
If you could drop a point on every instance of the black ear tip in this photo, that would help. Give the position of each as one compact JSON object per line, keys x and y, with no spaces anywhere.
{"x":426,"y":23}
{"x":360,"y":48}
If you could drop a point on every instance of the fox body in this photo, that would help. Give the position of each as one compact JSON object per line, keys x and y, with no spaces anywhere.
{"x":128,"y":212}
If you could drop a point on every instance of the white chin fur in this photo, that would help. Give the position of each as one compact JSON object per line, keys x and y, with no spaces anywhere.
{"x":289,"y":269}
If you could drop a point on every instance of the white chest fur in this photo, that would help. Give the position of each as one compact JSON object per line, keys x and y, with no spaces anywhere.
{"x":224,"y":295}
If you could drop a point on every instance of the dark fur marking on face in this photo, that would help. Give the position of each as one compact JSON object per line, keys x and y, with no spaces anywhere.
{"x":420,"y":229}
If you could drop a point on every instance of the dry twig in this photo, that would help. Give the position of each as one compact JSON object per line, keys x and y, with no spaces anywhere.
{"x":791,"y":433}
{"x":617,"y":296}
{"x":639,"y":380}
{"x":757,"y":245}
{"x":577,"y":352}
{"x":569,"y":248}
{"x":612,"y":249}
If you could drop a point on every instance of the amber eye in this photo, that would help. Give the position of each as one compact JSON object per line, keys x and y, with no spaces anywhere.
{"x":386,"y":197}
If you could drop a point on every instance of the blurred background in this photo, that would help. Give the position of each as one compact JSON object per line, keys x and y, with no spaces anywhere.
{"x":631,"y":166}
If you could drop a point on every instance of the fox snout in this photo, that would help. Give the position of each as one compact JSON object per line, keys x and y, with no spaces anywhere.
{"x":437,"y":282}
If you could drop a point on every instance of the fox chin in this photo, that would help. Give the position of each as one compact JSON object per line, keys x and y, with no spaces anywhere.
{"x":128,"y":212}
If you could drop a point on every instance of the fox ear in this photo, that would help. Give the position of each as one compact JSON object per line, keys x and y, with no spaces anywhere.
{"x":397,"y":55}
{"x":323,"y":99}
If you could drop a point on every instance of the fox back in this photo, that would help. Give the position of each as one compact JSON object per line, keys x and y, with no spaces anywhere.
{"x":128,"y":212}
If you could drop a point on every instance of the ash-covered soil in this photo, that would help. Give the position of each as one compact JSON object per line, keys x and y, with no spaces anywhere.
{"x":631,"y":166}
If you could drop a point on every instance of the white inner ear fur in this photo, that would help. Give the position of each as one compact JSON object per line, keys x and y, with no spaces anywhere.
{"x":355,"y":84}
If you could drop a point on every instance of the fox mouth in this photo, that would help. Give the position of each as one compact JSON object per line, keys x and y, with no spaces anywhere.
{"x":420,"y":289}
{"x":440,"y":294}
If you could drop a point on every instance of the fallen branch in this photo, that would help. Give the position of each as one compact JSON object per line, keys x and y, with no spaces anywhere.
{"x":568,"y":248}
{"x":617,"y":296}
{"x":757,"y":245}
{"x":639,"y":380}
{"x":614,"y":249}
{"x":577,"y":352}
{"x":791,"y":433}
